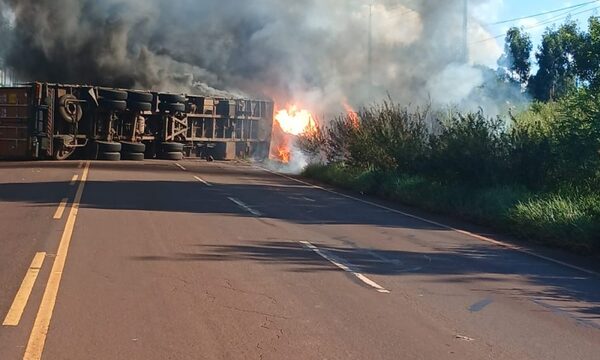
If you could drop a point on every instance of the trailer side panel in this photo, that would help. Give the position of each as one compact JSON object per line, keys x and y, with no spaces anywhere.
{"x":15,"y":124}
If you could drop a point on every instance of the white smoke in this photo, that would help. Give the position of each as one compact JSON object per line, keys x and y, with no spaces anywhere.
{"x":298,"y":161}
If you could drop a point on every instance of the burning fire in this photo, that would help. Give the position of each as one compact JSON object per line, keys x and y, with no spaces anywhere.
{"x":292,"y":122}
{"x":352,"y":115}
{"x":283,"y":154}
{"x":295,"y":122}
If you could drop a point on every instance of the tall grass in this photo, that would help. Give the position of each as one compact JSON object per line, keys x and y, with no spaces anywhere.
{"x":570,"y":222}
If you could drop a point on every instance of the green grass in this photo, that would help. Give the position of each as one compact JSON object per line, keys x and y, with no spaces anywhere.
{"x":568,"y":220}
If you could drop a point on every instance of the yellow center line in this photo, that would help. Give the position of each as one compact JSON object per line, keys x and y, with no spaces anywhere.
{"x":37,"y":339}
{"x":74,"y":180}
{"x":18,"y":306}
{"x":61,"y":209}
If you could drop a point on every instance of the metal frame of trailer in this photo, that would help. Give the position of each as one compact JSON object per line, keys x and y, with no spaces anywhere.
{"x":45,"y":120}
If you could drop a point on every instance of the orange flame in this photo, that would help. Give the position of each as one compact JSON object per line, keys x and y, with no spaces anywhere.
{"x":295,"y":122}
{"x":288,"y":123}
{"x":352,"y":115}
{"x":283,"y":154}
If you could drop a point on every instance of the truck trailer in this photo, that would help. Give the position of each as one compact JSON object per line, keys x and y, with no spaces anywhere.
{"x":42,"y":120}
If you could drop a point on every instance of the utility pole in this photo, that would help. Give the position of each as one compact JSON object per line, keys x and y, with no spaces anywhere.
{"x":370,"y":50}
{"x":465,"y":45}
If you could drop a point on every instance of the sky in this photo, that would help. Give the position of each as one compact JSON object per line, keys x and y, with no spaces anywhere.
{"x":486,"y":50}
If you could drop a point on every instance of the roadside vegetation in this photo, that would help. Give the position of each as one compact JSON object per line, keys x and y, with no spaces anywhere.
{"x":534,"y":173}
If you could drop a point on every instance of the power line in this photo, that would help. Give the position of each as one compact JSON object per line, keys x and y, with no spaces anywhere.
{"x":551,"y":20}
{"x":545,"y":13}
{"x":545,"y":22}
{"x":465,"y":40}
{"x":370,"y":49}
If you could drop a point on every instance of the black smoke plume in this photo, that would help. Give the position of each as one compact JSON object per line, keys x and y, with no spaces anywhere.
{"x":311,"y":51}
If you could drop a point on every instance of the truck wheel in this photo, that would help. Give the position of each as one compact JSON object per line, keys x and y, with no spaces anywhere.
{"x":131,"y":147}
{"x":115,"y":105}
{"x":139,"y":106}
{"x":112,"y":94}
{"x":132,"y":156}
{"x":171,"y":98}
{"x":168,"y":147}
{"x":107,"y":147}
{"x":171,"y":107}
{"x":140,"y":96}
{"x":109,"y":156}
{"x":171,"y":156}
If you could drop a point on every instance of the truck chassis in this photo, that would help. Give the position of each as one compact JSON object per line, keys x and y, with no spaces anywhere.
{"x":56,"y":121}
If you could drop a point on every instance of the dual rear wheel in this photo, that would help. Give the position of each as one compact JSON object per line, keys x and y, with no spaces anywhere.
{"x":117,"y":100}
{"x":170,"y":151}
{"x":114,"y":151}
{"x":132,"y":151}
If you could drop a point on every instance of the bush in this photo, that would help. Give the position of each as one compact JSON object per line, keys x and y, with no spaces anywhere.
{"x":469,"y":148}
{"x":531,"y":159}
{"x":576,"y":137}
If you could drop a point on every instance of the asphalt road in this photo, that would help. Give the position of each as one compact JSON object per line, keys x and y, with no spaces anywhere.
{"x":194,"y":260}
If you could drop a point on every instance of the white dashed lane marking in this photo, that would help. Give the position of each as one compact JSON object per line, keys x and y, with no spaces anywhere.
{"x":202,"y":181}
{"x":245,"y":207}
{"x":346,"y":268}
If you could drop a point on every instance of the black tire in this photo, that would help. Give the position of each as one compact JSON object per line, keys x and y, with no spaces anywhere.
{"x":109,"y":156}
{"x":171,"y":156}
{"x":130,"y":147}
{"x":108,"y":147}
{"x":114,"y":105}
{"x":171,"y":98}
{"x":171,"y":107}
{"x":139,"y":106}
{"x":132,"y":156}
{"x":169,"y":147}
{"x":111,"y":94}
{"x":140,"y":96}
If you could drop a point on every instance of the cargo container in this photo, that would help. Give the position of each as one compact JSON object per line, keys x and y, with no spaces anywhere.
{"x":56,"y":121}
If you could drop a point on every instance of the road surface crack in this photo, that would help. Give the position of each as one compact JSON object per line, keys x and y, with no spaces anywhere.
{"x":232,"y":288}
{"x":255,"y":312}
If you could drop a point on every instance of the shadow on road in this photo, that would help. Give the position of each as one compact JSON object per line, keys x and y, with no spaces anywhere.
{"x":557,"y":288}
{"x":292,"y":203}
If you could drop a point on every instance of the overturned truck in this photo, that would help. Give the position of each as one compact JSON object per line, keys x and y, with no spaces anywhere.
{"x":56,"y":121}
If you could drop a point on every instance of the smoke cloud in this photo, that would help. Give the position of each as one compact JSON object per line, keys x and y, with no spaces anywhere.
{"x":310,"y":51}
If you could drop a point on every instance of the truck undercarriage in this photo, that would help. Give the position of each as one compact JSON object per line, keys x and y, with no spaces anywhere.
{"x":44,"y":121}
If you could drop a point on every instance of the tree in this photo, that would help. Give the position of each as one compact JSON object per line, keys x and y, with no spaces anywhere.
{"x":588,"y":56}
{"x":517,"y":55}
{"x":557,"y":73}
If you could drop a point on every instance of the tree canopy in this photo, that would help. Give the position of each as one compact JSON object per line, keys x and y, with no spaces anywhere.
{"x":517,"y":55}
{"x":567,"y":59}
